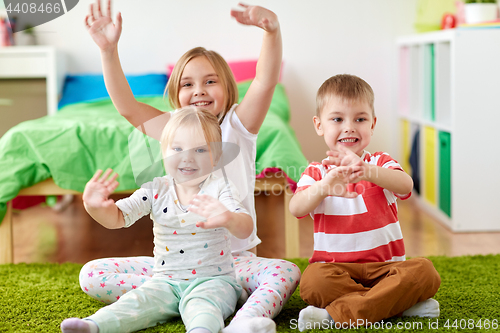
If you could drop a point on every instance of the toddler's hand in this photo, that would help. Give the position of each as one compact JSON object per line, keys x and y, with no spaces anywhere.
{"x":257,"y":16}
{"x":98,"y":189}
{"x":210,"y":208}
{"x":101,"y":27}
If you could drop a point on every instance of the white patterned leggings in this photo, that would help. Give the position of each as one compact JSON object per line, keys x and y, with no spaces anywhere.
{"x":269,"y":282}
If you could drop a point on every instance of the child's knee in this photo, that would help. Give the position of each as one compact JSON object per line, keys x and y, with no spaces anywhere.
{"x":319,"y":284}
{"x":287,"y":276}
{"x":86,"y":274}
{"x":429,"y":274}
{"x":292,"y":271}
{"x":209,"y":321}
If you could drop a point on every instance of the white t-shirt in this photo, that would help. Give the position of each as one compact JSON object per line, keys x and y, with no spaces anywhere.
{"x":241,"y":172}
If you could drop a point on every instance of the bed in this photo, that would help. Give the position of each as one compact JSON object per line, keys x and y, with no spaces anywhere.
{"x":58,"y":154}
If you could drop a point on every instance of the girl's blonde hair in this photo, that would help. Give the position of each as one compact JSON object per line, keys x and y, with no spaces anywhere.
{"x":192,"y":117}
{"x":347,"y":87}
{"x":221,"y":69}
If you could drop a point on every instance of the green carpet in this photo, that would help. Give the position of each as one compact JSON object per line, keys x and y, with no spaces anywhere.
{"x":37,"y":297}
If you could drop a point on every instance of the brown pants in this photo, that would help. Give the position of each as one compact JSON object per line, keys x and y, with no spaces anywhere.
{"x":368,"y":292}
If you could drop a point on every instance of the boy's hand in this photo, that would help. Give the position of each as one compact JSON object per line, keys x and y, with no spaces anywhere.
{"x":98,"y":189}
{"x":341,"y":157}
{"x":212,"y":209}
{"x":336,"y":180}
{"x":349,"y":157}
{"x":101,"y":27}
{"x":346,"y":157}
{"x":257,"y":16}
{"x":334,"y":158}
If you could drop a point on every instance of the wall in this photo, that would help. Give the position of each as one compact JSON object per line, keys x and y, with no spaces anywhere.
{"x":321,"y":38}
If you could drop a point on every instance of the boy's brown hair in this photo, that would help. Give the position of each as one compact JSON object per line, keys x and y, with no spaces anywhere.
{"x":347,"y":87}
{"x":221,"y":68}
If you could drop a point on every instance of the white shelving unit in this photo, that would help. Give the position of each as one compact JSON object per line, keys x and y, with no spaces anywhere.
{"x":449,"y":91}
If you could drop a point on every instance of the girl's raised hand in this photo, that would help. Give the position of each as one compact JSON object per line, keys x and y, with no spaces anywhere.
{"x":99,"y":188}
{"x":257,"y":16}
{"x":101,"y":27}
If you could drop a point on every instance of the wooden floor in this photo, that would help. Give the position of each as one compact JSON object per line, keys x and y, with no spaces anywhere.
{"x":42,"y":234}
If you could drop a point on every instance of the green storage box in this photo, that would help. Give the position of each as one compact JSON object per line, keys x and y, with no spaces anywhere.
{"x":445,"y":172}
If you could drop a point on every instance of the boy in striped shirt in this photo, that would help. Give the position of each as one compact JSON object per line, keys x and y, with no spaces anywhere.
{"x":358,"y":274}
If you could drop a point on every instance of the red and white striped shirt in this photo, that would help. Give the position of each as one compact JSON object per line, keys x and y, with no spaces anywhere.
{"x":357,"y":230}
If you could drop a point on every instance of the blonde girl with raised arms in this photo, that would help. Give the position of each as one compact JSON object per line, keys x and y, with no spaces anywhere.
{"x":202,"y":78}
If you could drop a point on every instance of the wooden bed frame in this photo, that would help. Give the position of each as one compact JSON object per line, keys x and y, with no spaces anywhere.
{"x":48,"y":187}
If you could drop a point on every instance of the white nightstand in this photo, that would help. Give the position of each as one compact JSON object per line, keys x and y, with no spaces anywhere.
{"x":31,"y":80}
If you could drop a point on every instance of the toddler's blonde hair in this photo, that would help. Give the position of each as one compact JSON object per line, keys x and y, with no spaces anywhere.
{"x":193,"y":117}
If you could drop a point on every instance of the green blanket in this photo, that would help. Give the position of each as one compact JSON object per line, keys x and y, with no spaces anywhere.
{"x":81,"y":138}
